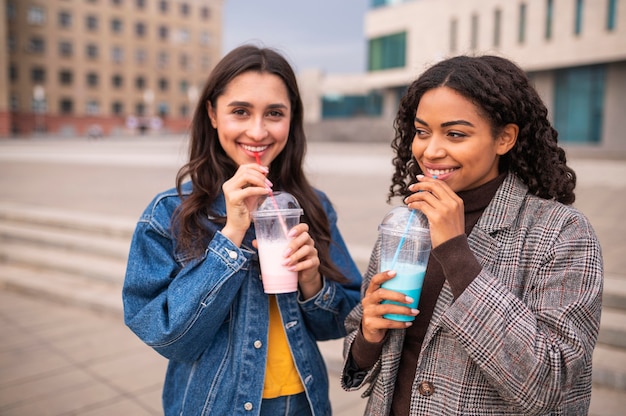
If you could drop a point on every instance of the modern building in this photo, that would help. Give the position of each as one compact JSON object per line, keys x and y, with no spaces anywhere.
{"x":75,"y":67}
{"x":573,"y":50}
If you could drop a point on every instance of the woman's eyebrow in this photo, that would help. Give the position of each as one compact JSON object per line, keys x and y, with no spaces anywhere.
{"x":456,"y":122}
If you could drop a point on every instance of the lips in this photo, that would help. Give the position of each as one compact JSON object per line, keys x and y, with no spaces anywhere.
{"x":254,"y":149}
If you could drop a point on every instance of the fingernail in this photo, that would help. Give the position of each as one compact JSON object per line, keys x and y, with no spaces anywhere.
{"x":268,"y":183}
{"x":408,"y":299}
{"x":287,"y":252}
{"x":291,"y":233}
{"x":414,"y":311}
{"x":420,"y":177}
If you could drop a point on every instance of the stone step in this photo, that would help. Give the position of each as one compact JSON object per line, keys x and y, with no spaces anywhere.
{"x":85,"y":241}
{"x":89,"y":266}
{"x":613,"y":328}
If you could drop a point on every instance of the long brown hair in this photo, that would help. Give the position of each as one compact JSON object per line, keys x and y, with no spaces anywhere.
{"x":209,"y":166}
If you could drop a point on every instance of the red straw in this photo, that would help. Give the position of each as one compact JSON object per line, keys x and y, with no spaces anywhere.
{"x":280,"y":217}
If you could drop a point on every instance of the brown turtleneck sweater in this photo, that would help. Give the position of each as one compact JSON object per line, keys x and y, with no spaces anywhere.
{"x":452,"y":261}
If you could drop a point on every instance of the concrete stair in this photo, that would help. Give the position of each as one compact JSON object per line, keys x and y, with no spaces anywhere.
{"x":80,"y":259}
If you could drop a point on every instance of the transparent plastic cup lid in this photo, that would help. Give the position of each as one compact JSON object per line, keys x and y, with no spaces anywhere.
{"x":401,"y":220}
{"x":280,"y":203}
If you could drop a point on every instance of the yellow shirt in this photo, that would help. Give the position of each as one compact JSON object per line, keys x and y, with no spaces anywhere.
{"x":281,"y":375}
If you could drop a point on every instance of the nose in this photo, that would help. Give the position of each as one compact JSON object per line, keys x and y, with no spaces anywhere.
{"x":257,"y":130}
{"x":435,"y":148}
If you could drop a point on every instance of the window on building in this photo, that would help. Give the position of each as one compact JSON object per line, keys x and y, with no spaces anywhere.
{"x":140,"y":83}
{"x":91,"y":23}
{"x":13,"y":72}
{"x":549,"y":18}
{"x":497,"y":27}
{"x":117,"y":108}
{"x":140,"y":56}
{"x":36,"y":44}
{"x":14,"y":104}
{"x":117,"y":54}
{"x":92,"y":79}
{"x":521,"y":33}
{"x":205,"y":38}
{"x":183,"y":86}
{"x":453,"y":35}
{"x":36,"y":15}
{"x":38,"y":74}
{"x":91,"y":50}
{"x":163,"y":32}
{"x":611,"y":15}
{"x":183,"y":35}
{"x":116,"y":2}
{"x":162,"y":59}
{"x":140,"y":29}
{"x":345,"y":106}
{"x":66,"y":106}
{"x":184,"y":110}
{"x":65,"y":19}
{"x":579,"y":103}
{"x":39,"y":105}
{"x":163,"y":84}
{"x":184,"y":9}
{"x":11,"y":11}
{"x":474,"y":33}
{"x":163,"y":6}
{"x":117,"y":81}
{"x":387,"y":52}
{"x":140,"y":108}
{"x":205,"y":62}
{"x":92,"y":107}
{"x":578,"y":22}
{"x":140,"y":4}
{"x":66,"y":77}
{"x":65,"y":48}
{"x":205,"y":13}
{"x":116,"y":26}
{"x":11,"y":42}
{"x":163,"y":109}
{"x":183,"y":60}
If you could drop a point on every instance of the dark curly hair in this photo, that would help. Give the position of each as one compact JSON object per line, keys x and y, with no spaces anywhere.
{"x":503,"y":94}
{"x":209,"y":165}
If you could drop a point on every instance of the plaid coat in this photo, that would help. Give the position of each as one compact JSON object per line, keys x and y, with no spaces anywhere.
{"x":519,"y":340}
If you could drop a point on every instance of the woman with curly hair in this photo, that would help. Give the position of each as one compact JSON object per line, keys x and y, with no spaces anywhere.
{"x":510,"y":308}
{"x":193,"y":288}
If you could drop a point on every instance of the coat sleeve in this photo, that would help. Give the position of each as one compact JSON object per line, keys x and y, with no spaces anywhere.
{"x":533,"y":339}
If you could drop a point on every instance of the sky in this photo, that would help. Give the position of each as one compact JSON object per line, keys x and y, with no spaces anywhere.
{"x":312,"y":34}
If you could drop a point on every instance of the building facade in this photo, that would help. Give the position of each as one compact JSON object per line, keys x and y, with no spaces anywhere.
{"x":573,"y":50}
{"x":76,"y":67}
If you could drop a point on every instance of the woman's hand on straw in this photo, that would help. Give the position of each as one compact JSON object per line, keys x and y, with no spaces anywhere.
{"x":241,"y":194}
{"x":373,"y":325}
{"x":441,"y":205}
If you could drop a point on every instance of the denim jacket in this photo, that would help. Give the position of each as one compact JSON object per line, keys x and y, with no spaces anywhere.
{"x":209,"y":316}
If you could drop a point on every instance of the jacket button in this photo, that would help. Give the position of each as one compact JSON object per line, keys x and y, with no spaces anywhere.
{"x":426,"y":388}
{"x":258,"y":344}
{"x":248,"y":406}
{"x":232,"y":254}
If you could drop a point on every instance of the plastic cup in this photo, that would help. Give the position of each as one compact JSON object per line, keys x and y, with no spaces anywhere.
{"x":405,"y":248}
{"x":273,"y":219}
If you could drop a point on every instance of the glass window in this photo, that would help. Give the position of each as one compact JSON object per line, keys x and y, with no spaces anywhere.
{"x":163,"y":84}
{"x":92,"y":107}
{"x":66,"y":77}
{"x":65,"y":19}
{"x":65,"y":48}
{"x":140,"y":83}
{"x":38,"y":74}
{"x":345,"y":106}
{"x":117,"y":54}
{"x":66,"y":106}
{"x":140,"y":4}
{"x":521,"y":34}
{"x":91,"y":22}
{"x":549,"y":18}
{"x":578,"y":23}
{"x":474,"y":33}
{"x":116,"y":25}
{"x":163,"y":32}
{"x":13,"y":72}
{"x":579,"y":103}
{"x":163,"y":109}
{"x":163,"y":6}
{"x":92,"y":79}
{"x":140,"y":29}
{"x":36,"y":15}
{"x":387,"y":52}
{"x":117,"y":108}
{"x":184,"y":9}
{"x":162,"y":59}
{"x":611,"y":15}
{"x":205,"y":13}
{"x":117,"y":81}
{"x":140,"y":56}
{"x":36,"y":44}
{"x":91,"y":51}
{"x":497,"y":27}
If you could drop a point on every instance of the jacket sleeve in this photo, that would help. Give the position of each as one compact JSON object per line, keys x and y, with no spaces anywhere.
{"x":532,"y":342}
{"x":177,"y":309}
{"x":325,"y":312}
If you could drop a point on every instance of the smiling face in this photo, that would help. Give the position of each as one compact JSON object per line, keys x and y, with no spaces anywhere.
{"x":252,"y":116}
{"x":454,"y":142}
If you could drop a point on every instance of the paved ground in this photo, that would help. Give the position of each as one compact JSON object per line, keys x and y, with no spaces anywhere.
{"x":60,"y":360}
